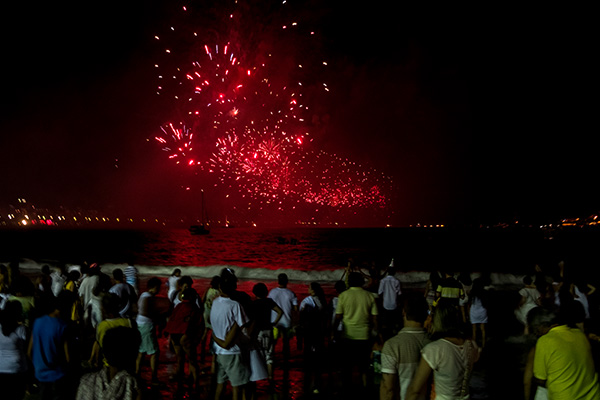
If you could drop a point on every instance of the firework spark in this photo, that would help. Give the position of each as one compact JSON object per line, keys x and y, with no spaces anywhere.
{"x":252,"y":126}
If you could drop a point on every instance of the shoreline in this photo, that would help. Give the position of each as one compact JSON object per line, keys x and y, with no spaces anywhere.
{"x":412,"y":279}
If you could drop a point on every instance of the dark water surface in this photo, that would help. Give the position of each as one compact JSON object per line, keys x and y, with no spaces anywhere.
{"x":316,"y":249}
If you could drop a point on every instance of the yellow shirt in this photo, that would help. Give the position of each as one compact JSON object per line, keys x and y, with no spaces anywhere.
{"x":108,"y":324}
{"x":563,"y":358}
{"x":357,"y":306}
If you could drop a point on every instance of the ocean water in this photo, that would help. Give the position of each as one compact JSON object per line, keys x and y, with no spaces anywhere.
{"x":306,"y":254}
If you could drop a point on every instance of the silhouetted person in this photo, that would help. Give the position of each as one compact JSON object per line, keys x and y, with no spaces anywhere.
{"x":115,"y":381}
{"x":49,"y":349}
{"x":313,"y":321}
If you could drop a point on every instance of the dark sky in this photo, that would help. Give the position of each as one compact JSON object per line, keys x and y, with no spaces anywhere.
{"x":479,"y":114}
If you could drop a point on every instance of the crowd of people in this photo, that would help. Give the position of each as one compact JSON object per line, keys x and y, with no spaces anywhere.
{"x":82,"y":334}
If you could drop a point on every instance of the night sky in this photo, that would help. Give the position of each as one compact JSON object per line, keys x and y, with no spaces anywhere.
{"x":479,"y":115}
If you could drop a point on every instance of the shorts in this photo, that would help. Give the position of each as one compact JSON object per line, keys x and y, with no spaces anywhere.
{"x":232,"y":368}
{"x":266,"y":345}
{"x":149,"y":344}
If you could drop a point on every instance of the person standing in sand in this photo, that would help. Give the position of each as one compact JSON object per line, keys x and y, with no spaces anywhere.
{"x":390,"y":291}
{"x":449,"y":290}
{"x":288,"y":302}
{"x":172,"y":283}
{"x":357,"y":309}
{"x":146,"y":323}
{"x":115,"y":380}
{"x":449,"y":359}
{"x":58,"y":277}
{"x":539,"y":322}
{"x":185,"y":326}
{"x":530,"y":298}
{"x":563,"y":359}
{"x":13,"y":360}
{"x":131,"y":276}
{"x":464,"y":278}
{"x":126,"y":294}
{"x":313,"y":320}
{"x":431,"y":287}
{"x":478,"y":315}
{"x":209,"y":296}
{"x":86,"y":291}
{"x":263,"y":306}
{"x":49,"y":349}
{"x":401,"y":354}
{"x":111,"y":305}
{"x":227,"y":318}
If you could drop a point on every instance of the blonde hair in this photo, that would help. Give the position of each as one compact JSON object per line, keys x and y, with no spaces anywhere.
{"x":447,"y":321}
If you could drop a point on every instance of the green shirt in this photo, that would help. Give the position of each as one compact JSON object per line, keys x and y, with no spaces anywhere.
{"x":563,"y":358}
{"x":357,"y":306}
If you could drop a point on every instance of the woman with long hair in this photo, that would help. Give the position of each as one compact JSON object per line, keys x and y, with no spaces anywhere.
{"x":478,"y":314}
{"x":449,"y":359}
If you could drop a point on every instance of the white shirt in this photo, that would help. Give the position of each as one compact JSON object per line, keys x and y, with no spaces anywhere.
{"x":452,"y":365}
{"x":311,"y":302}
{"x":86,"y":289}
{"x":389,"y":289}
{"x":13,"y":359}
{"x":334,"y":303}
{"x":223,"y":314}
{"x":582,"y":298}
{"x":58,"y":281}
{"x":401,"y":355}
{"x":286,"y":300}
{"x":172,"y":283}
{"x":126,"y":294}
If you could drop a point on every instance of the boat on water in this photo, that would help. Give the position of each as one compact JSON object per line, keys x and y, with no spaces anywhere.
{"x":203,"y":228}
